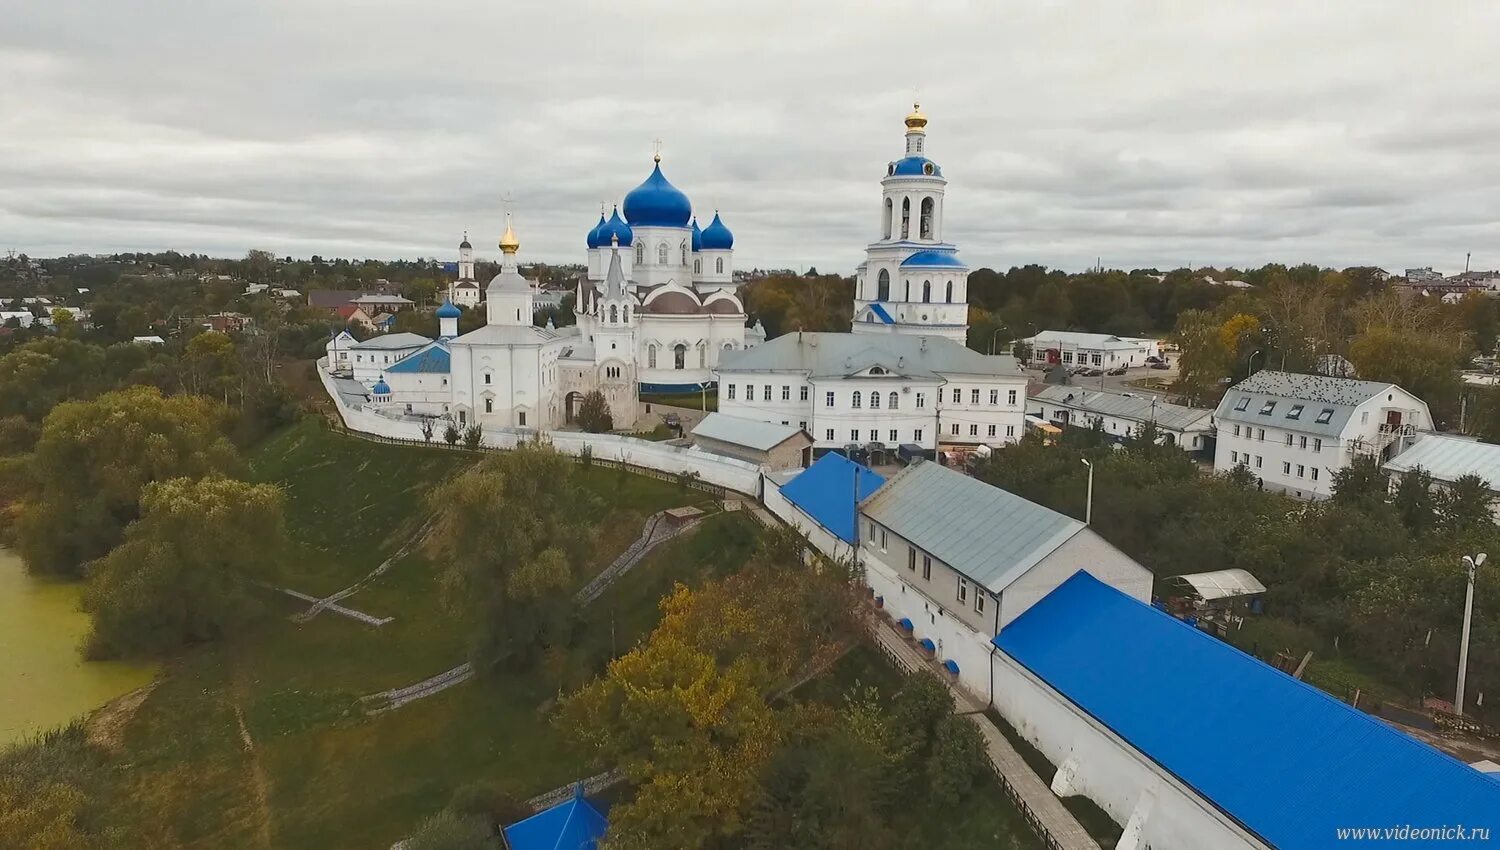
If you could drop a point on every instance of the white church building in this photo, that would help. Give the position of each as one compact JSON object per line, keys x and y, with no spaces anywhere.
{"x":656,"y":310}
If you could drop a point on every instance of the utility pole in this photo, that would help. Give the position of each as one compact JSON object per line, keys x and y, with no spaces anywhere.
{"x":1088,"y":506}
{"x":1472,"y":563}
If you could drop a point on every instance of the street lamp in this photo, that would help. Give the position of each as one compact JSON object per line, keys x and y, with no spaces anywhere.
{"x":1088,"y":507}
{"x":1472,"y":563}
{"x":1250,"y":364}
{"x":993,"y":336}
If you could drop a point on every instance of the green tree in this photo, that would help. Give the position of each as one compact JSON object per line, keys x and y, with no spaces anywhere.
{"x":451,"y":436}
{"x":187,"y":570}
{"x":93,"y":459}
{"x":473,"y":437}
{"x":957,"y":761}
{"x":593,"y":413}
{"x":211,"y":366}
{"x":516,"y":532}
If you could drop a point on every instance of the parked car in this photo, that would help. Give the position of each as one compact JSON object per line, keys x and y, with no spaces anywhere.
{"x":1118,"y":370}
{"x":1162,"y":365}
{"x":1153,"y":359}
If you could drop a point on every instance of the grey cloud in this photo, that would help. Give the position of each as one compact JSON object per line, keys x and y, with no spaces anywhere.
{"x":1145,"y":133}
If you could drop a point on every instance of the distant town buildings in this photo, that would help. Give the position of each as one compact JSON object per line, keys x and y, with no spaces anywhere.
{"x":1122,"y":415}
{"x":1101,"y":351}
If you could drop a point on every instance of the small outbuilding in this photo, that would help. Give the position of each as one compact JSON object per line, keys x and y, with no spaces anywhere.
{"x":765,"y":443}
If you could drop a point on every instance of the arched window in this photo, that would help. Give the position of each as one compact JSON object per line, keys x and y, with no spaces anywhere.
{"x":683,"y":246}
{"x":702,"y":356}
{"x":883,"y":286}
{"x":627,"y":314}
{"x":651,"y":356}
{"x":874,"y":401}
{"x":895,"y":401}
{"x":950,"y":292}
{"x":728,"y":346}
{"x":697,"y":265}
{"x":614,"y":314}
{"x":926,"y":291}
{"x":719,"y":265}
{"x":661,"y":254}
{"x":640,"y":253}
{"x":889,"y":211}
{"x":857,"y":401}
{"x":905,"y":217}
{"x":925,"y":223}
{"x":679,"y":356}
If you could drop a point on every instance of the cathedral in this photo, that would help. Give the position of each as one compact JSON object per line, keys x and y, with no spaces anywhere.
{"x":656,"y":309}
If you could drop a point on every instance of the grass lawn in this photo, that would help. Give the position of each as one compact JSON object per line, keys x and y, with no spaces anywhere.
{"x":321,"y":774}
{"x":693,"y":401}
{"x":1329,"y":671}
{"x":987,"y":819}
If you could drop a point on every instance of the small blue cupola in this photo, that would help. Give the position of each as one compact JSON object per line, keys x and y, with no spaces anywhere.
{"x":657,"y":203}
{"x":449,"y":310}
{"x":615,"y":227}
{"x":697,"y":236}
{"x":593,"y":237}
{"x":716,"y":237}
{"x":381,"y":388}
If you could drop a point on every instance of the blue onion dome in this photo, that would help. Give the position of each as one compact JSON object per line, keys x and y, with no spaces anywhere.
{"x":616,"y":226}
{"x":697,"y":236}
{"x":716,"y":236}
{"x":657,"y":203}
{"x":593,"y":238}
{"x":381,"y":387}
{"x":448,"y":311}
{"x":914,"y":166}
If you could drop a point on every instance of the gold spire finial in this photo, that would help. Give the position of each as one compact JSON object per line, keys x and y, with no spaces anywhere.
{"x":509,"y":244}
{"x":916,"y":122}
{"x":656,"y":147}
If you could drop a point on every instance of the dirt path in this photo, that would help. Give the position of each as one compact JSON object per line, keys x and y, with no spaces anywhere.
{"x":106,"y":726}
{"x":260,"y":787}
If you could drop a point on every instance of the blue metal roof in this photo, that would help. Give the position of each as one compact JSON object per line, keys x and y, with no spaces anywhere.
{"x":934,"y":259}
{"x":915,"y":166}
{"x":433,"y":359}
{"x":381,"y":387}
{"x":878,"y":310}
{"x":571,"y":825}
{"x":697,"y":235}
{"x":825,"y":492}
{"x":716,"y":236}
{"x":593,"y":237}
{"x":657,"y":203}
{"x":1289,"y":762}
{"x":449,"y":311}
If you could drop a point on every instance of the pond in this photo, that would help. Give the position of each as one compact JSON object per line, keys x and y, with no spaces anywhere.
{"x":44,"y":683}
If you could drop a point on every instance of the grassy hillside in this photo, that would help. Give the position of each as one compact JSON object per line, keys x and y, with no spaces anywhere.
{"x":261,"y":743}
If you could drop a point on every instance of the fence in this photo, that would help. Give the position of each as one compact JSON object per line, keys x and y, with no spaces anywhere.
{"x":703,"y":471}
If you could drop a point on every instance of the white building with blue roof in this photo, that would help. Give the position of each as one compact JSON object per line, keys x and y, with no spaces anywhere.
{"x":912,"y":281}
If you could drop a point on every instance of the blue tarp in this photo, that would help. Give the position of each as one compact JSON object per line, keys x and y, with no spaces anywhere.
{"x":1288,"y":761}
{"x":825,"y":492}
{"x":571,"y":825}
{"x":878,"y":310}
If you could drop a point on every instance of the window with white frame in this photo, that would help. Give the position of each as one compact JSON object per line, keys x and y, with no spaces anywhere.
{"x":895,"y":401}
{"x":963,"y":591}
{"x":974,"y":430}
{"x":828,"y":399}
{"x":766,"y":394}
{"x":854,"y":435}
{"x":911,"y":558}
{"x":921,"y":402}
{"x":803,"y":390}
{"x":875,"y":400}
{"x":874,"y":435}
{"x":883,"y":540}
{"x":1317,"y":444}
{"x":893,"y":436}
{"x":830,"y":434}
{"x":991,"y":431}
{"x":1012,"y":397}
{"x":1242,"y":403}
{"x":731,"y":392}
{"x":1010,"y":430}
{"x":927,"y":567}
{"x":749,"y":392}
{"x":856,"y":400}
{"x":917,"y":435}
{"x":994,"y":397}
{"x":786,"y":392}
{"x":979,"y":600}
{"x":954,"y":429}
{"x":958,"y":395}
{"x":1286,"y":467}
{"x":974,"y":396}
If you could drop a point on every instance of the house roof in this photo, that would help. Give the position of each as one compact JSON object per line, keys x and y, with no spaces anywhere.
{"x":389,"y":342}
{"x":840,"y":354}
{"x":1102,"y":342}
{"x":750,"y":433}
{"x":1222,"y":584}
{"x":570,"y":825}
{"x":1448,"y":458}
{"x":1173,"y":417}
{"x":1310,"y":764}
{"x":825,"y":492}
{"x":434,"y":359}
{"x":988,"y":534}
{"x":381,"y":299}
{"x":331,"y":298}
{"x":1316,"y":393}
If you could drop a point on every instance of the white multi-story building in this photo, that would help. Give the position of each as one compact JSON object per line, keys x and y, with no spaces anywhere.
{"x":912,"y":281}
{"x":1101,"y":351}
{"x":1294,"y":432}
{"x":930,"y":392}
{"x":465,"y":290}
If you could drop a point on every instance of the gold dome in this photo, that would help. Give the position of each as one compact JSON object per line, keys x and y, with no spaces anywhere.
{"x":915,"y":120}
{"x":509,"y":243}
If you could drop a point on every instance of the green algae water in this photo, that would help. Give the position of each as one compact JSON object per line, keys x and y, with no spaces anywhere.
{"x":44,"y":682}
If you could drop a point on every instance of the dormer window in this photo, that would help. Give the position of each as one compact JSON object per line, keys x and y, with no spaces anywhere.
{"x":1325,"y":416}
{"x":1265,"y":409}
{"x":1295,"y":412}
{"x":876,"y":370}
{"x":1243,"y":403}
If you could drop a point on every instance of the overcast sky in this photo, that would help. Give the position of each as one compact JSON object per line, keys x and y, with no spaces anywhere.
{"x":1148,"y":134}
